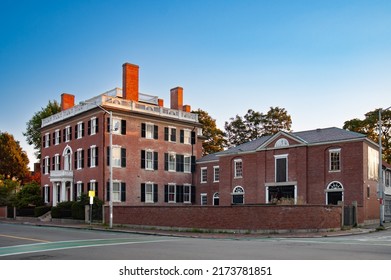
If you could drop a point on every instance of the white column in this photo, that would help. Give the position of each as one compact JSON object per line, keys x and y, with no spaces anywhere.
{"x":63,"y":191}
{"x":54,"y":194}
{"x":71,"y":191}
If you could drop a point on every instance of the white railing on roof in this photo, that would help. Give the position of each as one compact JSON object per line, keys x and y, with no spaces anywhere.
{"x":110,"y":99}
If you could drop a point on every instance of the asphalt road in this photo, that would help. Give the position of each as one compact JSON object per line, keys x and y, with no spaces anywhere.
{"x":29,"y":242}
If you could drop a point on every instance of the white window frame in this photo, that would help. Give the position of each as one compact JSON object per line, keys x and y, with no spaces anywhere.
{"x":46,"y":165}
{"x":187,"y":164}
{"x":67,"y":133}
{"x":149,"y":160}
{"x":149,"y":192}
{"x":216,"y":174}
{"x":187,"y":136}
{"x":57,"y":137}
{"x":172,"y":162}
{"x":204,"y":175}
{"x":171,"y":193}
{"x":47,"y":140}
{"x":170,"y":132}
{"x":186,"y":193}
{"x":94,"y":125}
{"x":57,"y":159}
{"x":116,"y":129}
{"x":203,"y":199}
{"x":79,"y":130}
{"x":78,"y":189}
{"x":331,"y":153}
{"x":79,"y":159}
{"x":93,"y":156}
{"x":116,"y":191}
{"x":238,"y":172}
{"x":116,"y":150}
{"x":277,"y":157}
{"x":46,"y":194}
{"x":149,"y":130}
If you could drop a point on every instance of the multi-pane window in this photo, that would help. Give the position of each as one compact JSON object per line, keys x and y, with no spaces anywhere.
{"x":335,"y":159}
{"x":67,"y":134}
{"x":56,"y":163}
{"x":216,"y":174}
{"x":187,"y":164}
{"x":116,"y":192}
{"x":57,"y":137}
{"x":187,"y":136}
{"x":47,"y":140}
{"x":119,"y":126}
{"x":204,"y":174}
{"x":238,"y":165}
{"x":46,"y":167}
{"x":79,"y":160}
{"x":204,"y":199}
{"x":119,"y":156}
{"x":170,"y":134}
{"x":79,"y":189}
{"x":149,"y":192}
{"x":281,"y":168}
{"x":171,"y":162}
{"x":238,"y":195}
{"x":80,"y":130}
{"x":149,"y":130}
{"x":171,"y":193}
{"x":93,"y":126}
{"x":46,"y":194}
{"x":186,"y":193}
{"x":149,"y":160}
{"x":93,"y":156}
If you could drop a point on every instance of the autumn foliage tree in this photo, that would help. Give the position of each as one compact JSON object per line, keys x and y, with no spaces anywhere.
{"x":370,"y":127}
{"x":13,"y":160}
{"x":214,"y":137}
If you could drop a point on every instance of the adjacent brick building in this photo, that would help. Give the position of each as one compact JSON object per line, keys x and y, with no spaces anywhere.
{"x":321,"y":166}
{"x":154,"y":147}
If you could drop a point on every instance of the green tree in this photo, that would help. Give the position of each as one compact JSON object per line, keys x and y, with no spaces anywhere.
{"x":215,"y":141}
{"x":33,"y":126}
{"x":254,"y":124}
{"x":29,"y":195}
{"x":13,"y":160}
{"x":370,"y":127}
{"x":8,"y":189}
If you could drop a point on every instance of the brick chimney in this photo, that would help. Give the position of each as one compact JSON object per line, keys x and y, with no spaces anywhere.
{"x":67,"y":101}
{"x":130,"y":81}
{"x":177,"y":98}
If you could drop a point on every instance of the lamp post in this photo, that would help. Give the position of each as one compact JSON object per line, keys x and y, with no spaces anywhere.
{"x":381,"y":187}
{"x":110,"y":160}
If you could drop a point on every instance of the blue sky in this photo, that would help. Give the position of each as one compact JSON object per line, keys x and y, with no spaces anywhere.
{"x":325,"y":62}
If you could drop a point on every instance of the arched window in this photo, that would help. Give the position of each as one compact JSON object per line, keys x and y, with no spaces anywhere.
{"x":238,"y":195}
{"x":216,"y":198}
{"x":334,"y":193}
{"x":67,"y":154}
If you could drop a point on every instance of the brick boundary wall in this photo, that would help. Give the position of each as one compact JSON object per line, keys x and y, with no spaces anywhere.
{"x":254,"y":218}
{"x":3,"y":212}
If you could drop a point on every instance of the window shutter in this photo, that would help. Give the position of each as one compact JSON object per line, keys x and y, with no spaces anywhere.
{"x":281,"y":170}
{"x":143,"y":133}
{"x":89,"y":127}
{"x":123,"y":127}
{"x":74,"y":191}
{"x":59,"y":136}
{"x":166,"y":161}
{"x":179,"y":163}
{"x":75,"y":131}
{"x":70,"y":133}
{"x":108,"y":191}
{"x":179,"y":194}
{"x":96,"y":125}
{"x":166,"y":134}
{"x":53,"y":162}
{"x":165,"y":193}
{"x":96,"y":156}
{"x":82,"y":187}
{"x":63,"y":135}
{"x":89,"y":157}
{"x":108,"y":156}
{"x":82,"y":158}
{"x":193,"y":194}
{"x":49,"y":194}
{"x":75,"y":160}
{"x":193,"y":164}
{"x":182,"y":136}
{"x":123,"y":191}
{"x":193,"y":137}
{"x":108,"y":125}
{"x":54,"y":138}
{"x":173,"y":134}
{"x":142,"y":192}
{"x":123,"y":157}
{"x":142,"y":159}
{"x":155,"y":132}
{"x":155,"y":161}
{"x":155,"y":193}
{"x":82,"y":130}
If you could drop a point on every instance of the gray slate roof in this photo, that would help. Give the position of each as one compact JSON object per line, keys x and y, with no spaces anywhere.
{"x":316,"y":136}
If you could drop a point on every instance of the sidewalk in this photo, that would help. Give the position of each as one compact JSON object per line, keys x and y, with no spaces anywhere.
{"x":195,"y":233}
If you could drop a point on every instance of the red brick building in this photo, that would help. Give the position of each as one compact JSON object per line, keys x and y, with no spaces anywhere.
{"x":154,"y":147}
{"x":321,"y":166}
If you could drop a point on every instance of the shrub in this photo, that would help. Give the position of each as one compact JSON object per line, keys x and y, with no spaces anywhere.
{"x":62,"y":210}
